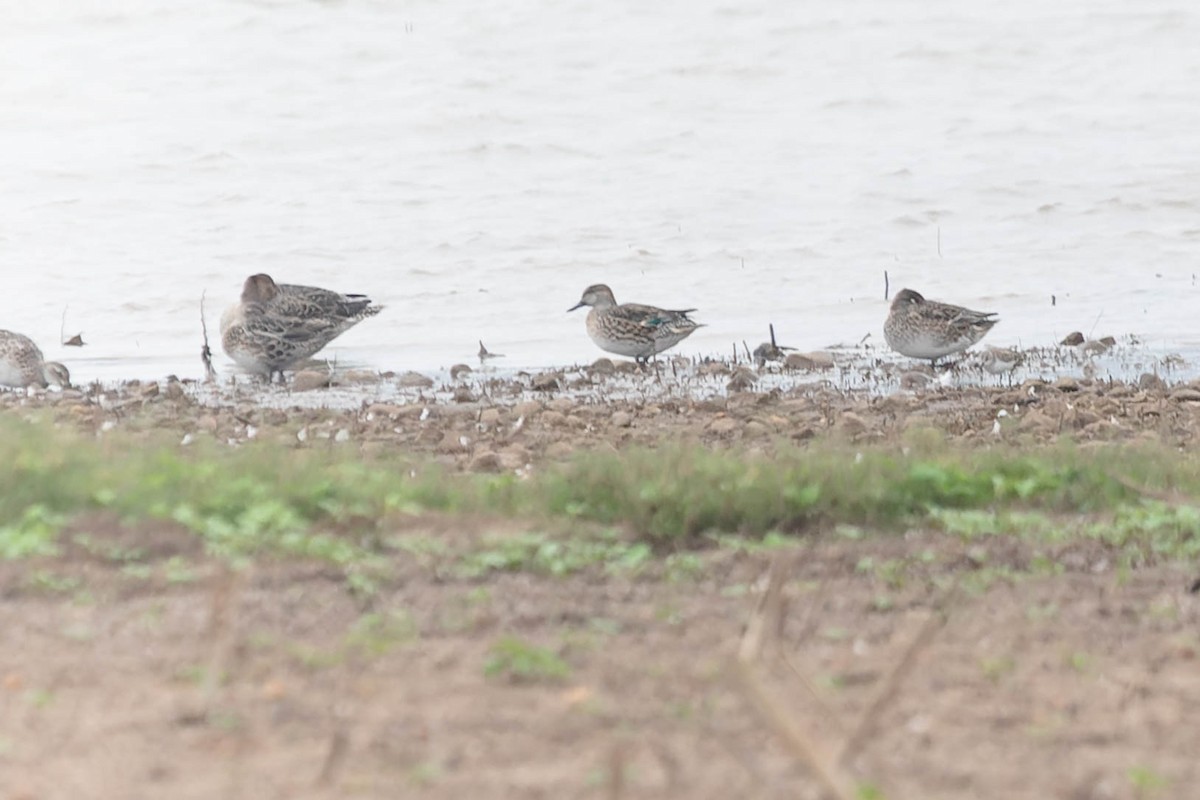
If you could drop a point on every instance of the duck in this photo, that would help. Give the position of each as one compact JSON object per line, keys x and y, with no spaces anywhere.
{"x":632,"y":329}
{"x":276,"y":325}
{"x":920,"y":328}
{"x":22,"y":364}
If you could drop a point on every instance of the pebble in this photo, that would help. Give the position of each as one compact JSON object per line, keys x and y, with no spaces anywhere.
{"x":1186,"y":396}
{"x":307,"y":380}
{"x":414,"y":380}
{"x":545,"y":382}
{"x":723,"y":426}
{"x":485,"y":461}
{"x":1149,"y":381}
{"x":358,"y":377}
{"x":560,"y":451}
{"x":528,"y":408}
{"x":743,"y":379}
{"x":809,"y":361}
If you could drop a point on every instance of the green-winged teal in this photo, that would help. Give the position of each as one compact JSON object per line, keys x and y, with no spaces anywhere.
{"x":22,"y":364}
{"x":920,"y":328}
{"x":632,"y":329}
{"x":277,"y":325}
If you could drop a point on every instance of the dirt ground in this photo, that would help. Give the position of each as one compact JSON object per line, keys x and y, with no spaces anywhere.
{"x":175,"y":677}
{"x":520,"y":422}
{"x":1083,"y":685}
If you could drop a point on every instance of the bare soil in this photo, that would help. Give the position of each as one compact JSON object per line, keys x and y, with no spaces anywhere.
{"x":174,"y":676}
{"x":1082,"y":685}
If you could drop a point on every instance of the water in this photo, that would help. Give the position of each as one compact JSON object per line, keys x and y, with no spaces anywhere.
{"x":475,"y":167}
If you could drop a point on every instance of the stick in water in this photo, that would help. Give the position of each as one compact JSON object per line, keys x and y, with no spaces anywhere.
{"x":210,"y":374}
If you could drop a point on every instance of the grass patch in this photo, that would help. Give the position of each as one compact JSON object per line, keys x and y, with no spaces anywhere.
{"x":521,"y":662}
{"x":335,"y":505}
{"x":33,"y":533}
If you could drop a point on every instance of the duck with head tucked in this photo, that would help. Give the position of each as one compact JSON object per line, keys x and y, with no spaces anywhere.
{"x":631,"y":329}
{"x":22,"y":364}
{"x":276,"y":325}
{"x":920,"y":328}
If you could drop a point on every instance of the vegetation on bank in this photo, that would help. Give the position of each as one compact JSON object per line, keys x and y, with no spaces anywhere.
{"x":337,"y":504}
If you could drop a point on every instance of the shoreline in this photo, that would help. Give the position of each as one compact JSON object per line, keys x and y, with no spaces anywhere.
{"x":492,"y":421}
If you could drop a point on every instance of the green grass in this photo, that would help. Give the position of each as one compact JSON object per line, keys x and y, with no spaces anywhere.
{"x":519,"y":661}
{"x":336,"y":505}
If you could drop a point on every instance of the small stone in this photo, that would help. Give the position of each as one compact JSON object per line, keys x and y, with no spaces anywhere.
{"x":307,"y":380}
{"x":1065,"y":384}
{"x":514,"y":456}
{"x":915,"y":379}
{"x":358,"y":377}
{"x":384,"y":410}
{"x":430,"y":436}
{"x":1034,"y":421}
{"x":451,"y":442}
{"x":755,"y":429}
{"x":342,"y":435}
{"x":1149,"y":381}
{"x":563,"y":405}
{"x":489,"y":416}
{"x":767,"y":352}
{"x":463,"y":395}
{"x":1185,"y":395}
{"x":809,"y":361}
{"x":559,"y":451}
{"x":1073,"y":339}
{"x":1095,"y":347}
{"x":743,"y":379}
{"x":603,"y":366}
{"x":723,"y":426}
{"x":852,"y":424}
{"x":545,"y":382}
{"x":527,"y":408}
{"x":714,"y":368}
{"x":622,"y":419}
{"x":414,"y":380}
{"x":485,"y":461}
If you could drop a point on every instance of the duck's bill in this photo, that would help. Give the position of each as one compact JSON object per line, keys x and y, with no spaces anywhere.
{"x":577,"y":305}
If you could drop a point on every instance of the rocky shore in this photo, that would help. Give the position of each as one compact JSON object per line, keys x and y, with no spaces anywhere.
{"x":483,"y":421}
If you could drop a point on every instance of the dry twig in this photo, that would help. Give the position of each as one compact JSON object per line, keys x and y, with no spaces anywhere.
{"x":1171,"y":498}
{"x":210,"y":374}
{"x":891,"y":684}
{"x":794,"y":737}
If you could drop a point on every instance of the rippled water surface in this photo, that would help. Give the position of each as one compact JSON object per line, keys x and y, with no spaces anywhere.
{"x":474,"y":167}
